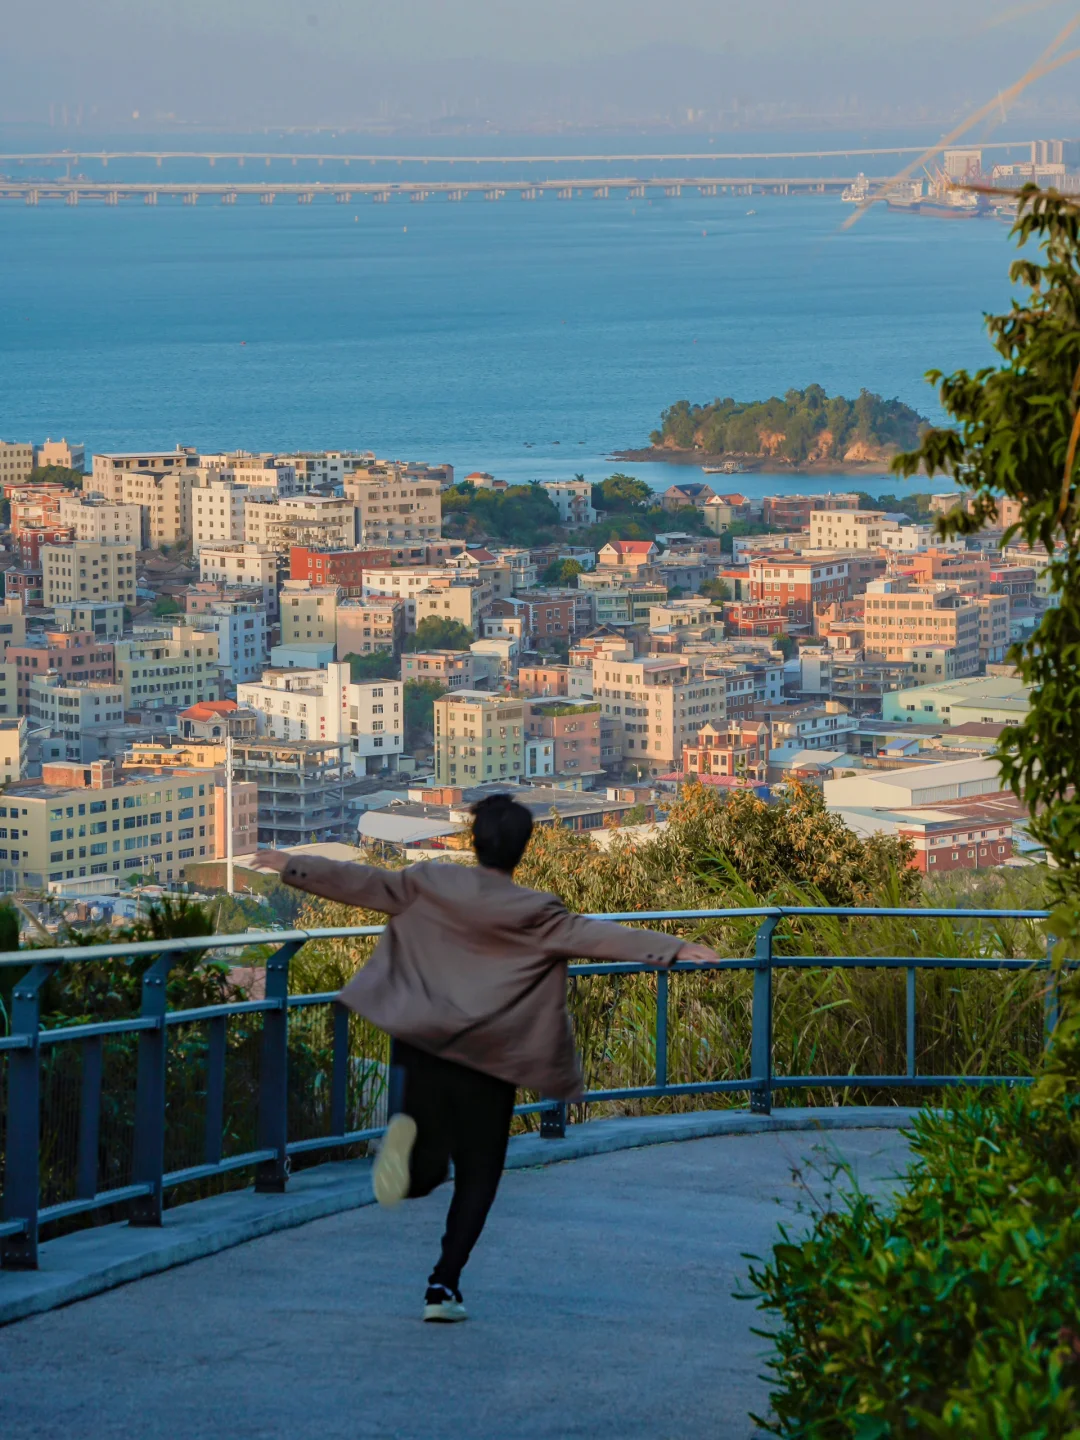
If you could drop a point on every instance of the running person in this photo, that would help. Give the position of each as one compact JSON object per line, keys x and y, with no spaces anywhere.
{"x":469,"y":980}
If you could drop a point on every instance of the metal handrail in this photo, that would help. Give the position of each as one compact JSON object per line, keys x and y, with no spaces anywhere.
{"x":21,"y":1214}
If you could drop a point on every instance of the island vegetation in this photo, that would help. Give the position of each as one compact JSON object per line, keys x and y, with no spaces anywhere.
{"x":801,"y":427}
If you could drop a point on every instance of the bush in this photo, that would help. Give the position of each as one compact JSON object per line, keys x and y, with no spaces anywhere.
{"x":958,"y":1312}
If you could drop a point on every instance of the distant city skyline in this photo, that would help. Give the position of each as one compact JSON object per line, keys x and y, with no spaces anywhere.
{"x":720,"y":64}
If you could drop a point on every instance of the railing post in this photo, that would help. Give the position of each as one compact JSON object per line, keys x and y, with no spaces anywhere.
{"x":761,"y":1034}
{"x":273,"y":1129}
{"x":22,"y":1180}
{"x":910,"y":1008}
{"x":89,"y":1118}
{"x":553,"y":1121}
{"x":661,"y":1028}
{"x":148,"y":1164}
{"x":1052,"y":997}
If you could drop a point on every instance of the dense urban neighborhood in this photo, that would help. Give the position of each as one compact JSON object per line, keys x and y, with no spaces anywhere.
{"x":336,"y":648}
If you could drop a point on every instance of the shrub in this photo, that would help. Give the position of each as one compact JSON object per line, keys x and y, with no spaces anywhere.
{"x":956,"y":1313}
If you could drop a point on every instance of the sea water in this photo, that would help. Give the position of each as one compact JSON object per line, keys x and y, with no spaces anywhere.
{"x":529,"y":339}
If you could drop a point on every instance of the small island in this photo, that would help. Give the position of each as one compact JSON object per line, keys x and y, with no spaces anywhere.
{"x":805,"y":429}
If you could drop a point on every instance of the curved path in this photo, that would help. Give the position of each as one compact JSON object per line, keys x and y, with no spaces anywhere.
{"x":600,"y":1295}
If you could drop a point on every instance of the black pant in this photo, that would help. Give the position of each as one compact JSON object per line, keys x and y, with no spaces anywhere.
{"x":464,"y":1116}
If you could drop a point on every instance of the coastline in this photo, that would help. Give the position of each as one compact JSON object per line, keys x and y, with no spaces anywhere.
{"x":751,"y":464}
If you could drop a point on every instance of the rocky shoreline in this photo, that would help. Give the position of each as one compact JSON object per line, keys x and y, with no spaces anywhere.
{"x":750,"y":464}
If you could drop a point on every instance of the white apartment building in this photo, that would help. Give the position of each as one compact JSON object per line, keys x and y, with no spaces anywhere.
{"x":394,"y":507}
{"x":301,"y":520}
{"x":16,"y":462}
{"x":240,"y":627}
{"x":64,"y":453}
{"x":69,"y":709}
{"x":322,"y":467}
{"x":263,"y":476}
{"x":87,"y":571}
{"x":848,"y":529}
{"x":242,"y":564}
{"x":217,"y":510}
{"x":168,"y":666}
{"x":404,"y":583}
{"x":573,"y":500}
{"x":107,"y":471}
{"x":324,"y":705}
{"x":913,"y":539}
{"x":94,"y":519}
{"x":462,"y":600}
{"x":656,"y":708}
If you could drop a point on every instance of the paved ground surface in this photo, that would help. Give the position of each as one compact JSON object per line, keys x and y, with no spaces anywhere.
{"x":600,"y":1295}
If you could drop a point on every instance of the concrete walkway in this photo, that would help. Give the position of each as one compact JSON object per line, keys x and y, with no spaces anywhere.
{"x":600,"y":1295}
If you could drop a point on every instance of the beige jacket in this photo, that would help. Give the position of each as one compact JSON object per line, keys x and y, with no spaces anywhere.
{"x":473,"y":967}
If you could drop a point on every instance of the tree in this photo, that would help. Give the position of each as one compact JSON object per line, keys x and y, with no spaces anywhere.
{"x":785,"y":644}
{"x":621,"y":492}
{"x":167,"y":605}
{"x":57,"y":475}
{"x":420,"y":697}
{"x":715,"y":589}
{"x":380,"y":665}
{"x":521,"y":514}
{"x":1017,"y":434}
{"x":438,"y":634}
{"x":562,"y":572}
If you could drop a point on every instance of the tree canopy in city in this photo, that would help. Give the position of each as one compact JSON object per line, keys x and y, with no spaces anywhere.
{"x":434,"y":633}
{"x":380,"y":665}
{"x":521,"y":514}
{"x":803,"y":425}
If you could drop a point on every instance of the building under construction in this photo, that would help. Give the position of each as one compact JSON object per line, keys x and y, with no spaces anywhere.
{"x":301,"y":788}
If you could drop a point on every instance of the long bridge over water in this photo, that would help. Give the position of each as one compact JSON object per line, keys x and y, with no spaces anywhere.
{"x":73,"y":192}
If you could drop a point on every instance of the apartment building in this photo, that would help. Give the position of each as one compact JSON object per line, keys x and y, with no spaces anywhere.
{"x":321,"y":467}
{"x":90,"y":518}
{"x":629,"y":555}
{"x":403,"y":583}
{"x":173,"y":666}
{"x":394,"y":507}
{"x":900,"y":619}
{"x":107,"y":471}
{"x":573,"y":500}
{"x":365,"y":626}
{"x":793,"y":512}
{"x":87,"y":571}
{"x":263,"y":476}
{"x":344,"y":568}
{"x":958,"y":567}
{"x":478,"y":737}
{"x":33,"y":506}
{"x":797,"y":584}
{"x":324,"y":705}
{"x":68,"y":708}
{"x":88,"y":820}
{"x":242,"y":564}
{"x":916,"y":540}
{"x":620,"y":602}
{"x":320,"y":520}
{"x":544,"y":680}
{"x":16,"y":461}
{"x":63,"y":453}
{"x":795,"y":728}
{"x":848,"y":529}
{"x":573,"y":727}
{"x":737,"y":750}
{"x":463,"y":600}
{"x":12,"y":623}
{"x":300,"y":786}
{"x":74,"y":656}
{"x":164,"y":500}
{"x":308,"y":612}
{"x":104,"y":619}
{"x":31,"y":538}
{"x":995,"y":612}
{"x":452,"y":669}
{"x":14,"y":735}
{"x":656,"y":708}
{"x":545,"y":615}
{"x":240,"y":627}
{"x":217,"y":511}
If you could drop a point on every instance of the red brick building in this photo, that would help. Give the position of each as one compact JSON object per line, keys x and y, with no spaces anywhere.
{"x":974,"y":834}
{"x":753,"y":618}
{"x":544,"y":680}
{"x":335,"y":567}
{"x":798,"y":585}
{"x":575,"y":728}
{"x":32,"y":537}
{"x":26,"y":584}
{"x":73,"y":655}
{"x":740,"y":748}
{"x":545,"y":617}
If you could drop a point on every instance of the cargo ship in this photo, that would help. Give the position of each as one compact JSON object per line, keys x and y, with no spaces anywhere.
{"x":908,"y":195}
{"x":953,"y":205}
{"x":858,"y":191}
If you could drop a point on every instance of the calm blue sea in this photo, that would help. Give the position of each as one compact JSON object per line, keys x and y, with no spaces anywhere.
{"x":528,"y":339}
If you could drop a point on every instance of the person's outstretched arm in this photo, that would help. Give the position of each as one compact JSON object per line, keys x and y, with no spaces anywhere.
{"x":368,"y":887}
{"x":573,"y":936}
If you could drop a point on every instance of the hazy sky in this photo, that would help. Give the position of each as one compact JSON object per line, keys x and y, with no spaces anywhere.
{"x":297,"y":61}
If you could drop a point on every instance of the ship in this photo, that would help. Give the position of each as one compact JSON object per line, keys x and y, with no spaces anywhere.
{"x":908,"y":195}
{"x":729,"y":467}
{"x":858,"y":191}
{"x":953,"y":205}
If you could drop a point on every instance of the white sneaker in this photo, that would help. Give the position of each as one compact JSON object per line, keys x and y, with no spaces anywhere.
{"x":391,"y":1175}
{"x":442,"y":1303}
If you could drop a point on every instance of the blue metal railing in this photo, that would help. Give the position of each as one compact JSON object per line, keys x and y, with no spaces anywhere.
{"x":22,"y":1215}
